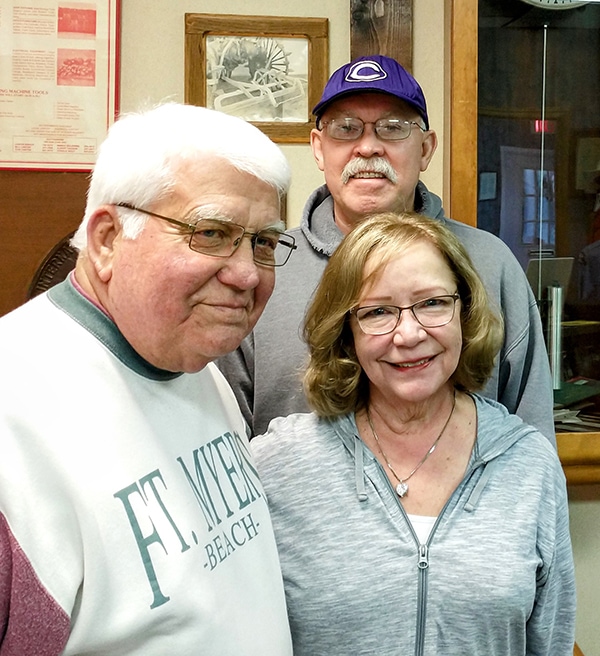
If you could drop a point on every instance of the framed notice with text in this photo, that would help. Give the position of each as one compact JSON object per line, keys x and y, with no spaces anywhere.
{"x":58,"y":82}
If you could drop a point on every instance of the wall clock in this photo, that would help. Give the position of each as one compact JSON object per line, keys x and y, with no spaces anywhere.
{"x":557,"y":4}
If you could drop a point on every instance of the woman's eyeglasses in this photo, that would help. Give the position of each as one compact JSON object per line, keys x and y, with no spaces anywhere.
{"x":430,"y":313}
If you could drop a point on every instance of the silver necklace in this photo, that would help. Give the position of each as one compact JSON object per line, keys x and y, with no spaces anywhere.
{"x":402,"y":486}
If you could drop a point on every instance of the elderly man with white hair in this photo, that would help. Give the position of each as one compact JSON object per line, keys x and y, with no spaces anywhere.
{"x":132,"y":519}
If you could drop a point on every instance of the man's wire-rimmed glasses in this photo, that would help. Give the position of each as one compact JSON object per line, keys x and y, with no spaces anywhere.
{"x":430,"y":313}
{"x":218,"y":238}
{"x":350,"y":128}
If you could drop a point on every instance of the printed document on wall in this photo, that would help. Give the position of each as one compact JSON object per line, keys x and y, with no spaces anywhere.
{"x":58,"y":82}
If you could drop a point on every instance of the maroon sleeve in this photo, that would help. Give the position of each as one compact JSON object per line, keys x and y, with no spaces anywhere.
{"x":31,"y":622}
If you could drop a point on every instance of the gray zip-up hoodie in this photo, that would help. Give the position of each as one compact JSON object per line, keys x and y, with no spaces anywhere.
{"x":495,"y":577}
{"x":266,"y":371}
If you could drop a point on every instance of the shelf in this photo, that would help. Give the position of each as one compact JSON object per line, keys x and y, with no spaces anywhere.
{"x":580,"y":457}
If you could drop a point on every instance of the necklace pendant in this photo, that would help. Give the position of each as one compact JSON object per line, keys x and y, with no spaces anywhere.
{"x":401,"y":489}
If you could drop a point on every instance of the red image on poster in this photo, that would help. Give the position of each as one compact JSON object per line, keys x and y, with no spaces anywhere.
{"x":76,"y":68}
{"x":76,"y":21}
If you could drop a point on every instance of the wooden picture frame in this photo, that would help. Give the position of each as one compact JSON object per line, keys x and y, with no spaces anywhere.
{"x":269,"y":70}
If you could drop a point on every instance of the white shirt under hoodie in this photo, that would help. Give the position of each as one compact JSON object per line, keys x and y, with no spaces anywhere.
{"x":494,"y":577}
{"x":132,"y":520}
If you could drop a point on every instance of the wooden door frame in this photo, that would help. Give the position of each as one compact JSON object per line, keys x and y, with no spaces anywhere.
{"x":462,"y":143}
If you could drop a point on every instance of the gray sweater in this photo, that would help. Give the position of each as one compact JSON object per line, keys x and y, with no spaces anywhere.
{"x":495,"y":576}
{"x":266,"y":371}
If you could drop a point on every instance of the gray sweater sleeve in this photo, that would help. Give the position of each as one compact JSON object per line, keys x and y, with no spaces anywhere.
{"x":238,"y":368}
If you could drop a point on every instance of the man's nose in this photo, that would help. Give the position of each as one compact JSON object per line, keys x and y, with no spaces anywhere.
{"x":240,"y":268}
{"x":369,"y":144}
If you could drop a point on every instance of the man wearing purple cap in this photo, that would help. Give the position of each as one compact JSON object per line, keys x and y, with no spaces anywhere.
{"x":372,"y":141}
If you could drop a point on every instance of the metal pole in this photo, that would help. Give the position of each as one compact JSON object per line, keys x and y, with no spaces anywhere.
{"x":555,"y":334}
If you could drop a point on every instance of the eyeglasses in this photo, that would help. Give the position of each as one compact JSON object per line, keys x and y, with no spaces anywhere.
{"x":350,"y":128}
{"x":430,"y":313}
{"x":219,"y":238}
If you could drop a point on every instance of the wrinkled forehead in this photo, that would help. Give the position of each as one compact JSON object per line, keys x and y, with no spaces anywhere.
{"x":370,"y":105}
{"x":212,"y":187}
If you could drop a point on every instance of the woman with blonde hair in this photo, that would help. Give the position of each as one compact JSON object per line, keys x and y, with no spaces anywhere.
{"x":412,"y":515}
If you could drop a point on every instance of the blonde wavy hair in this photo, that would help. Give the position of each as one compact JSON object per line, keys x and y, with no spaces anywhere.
{"x":334,"y":381}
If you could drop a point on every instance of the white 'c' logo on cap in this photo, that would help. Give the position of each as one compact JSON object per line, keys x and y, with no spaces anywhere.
{"x":365,"y":71}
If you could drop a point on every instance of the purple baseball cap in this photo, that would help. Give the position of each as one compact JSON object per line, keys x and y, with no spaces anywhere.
{"x":373,"y":73}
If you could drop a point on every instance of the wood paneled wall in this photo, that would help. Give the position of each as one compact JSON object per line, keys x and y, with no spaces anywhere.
{"x":37,"y":210}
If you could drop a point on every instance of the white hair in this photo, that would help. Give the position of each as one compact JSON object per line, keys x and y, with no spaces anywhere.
{"x":138,"y":161}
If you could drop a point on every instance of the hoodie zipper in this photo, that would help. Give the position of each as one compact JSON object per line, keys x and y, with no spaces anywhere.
{"x":423,"y":565}
{"x":423,"y":554}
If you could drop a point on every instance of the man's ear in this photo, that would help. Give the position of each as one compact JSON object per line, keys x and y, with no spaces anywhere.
{"x":103,"y":231}
{"x":316,"y":145}
{"x":428,"y":148}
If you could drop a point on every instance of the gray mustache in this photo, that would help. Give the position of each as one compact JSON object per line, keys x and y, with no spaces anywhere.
{"x":372,"y":164}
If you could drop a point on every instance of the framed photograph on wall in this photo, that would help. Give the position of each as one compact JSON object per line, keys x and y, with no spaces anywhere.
{"x":269,"y":70}
{"x":586,"y":162}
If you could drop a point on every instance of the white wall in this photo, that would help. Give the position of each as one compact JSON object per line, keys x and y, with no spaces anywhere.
{"x":585,"y":534}
{"x":152,"y":69}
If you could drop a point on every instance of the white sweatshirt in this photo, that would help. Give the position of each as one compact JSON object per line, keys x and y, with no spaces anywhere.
{"x":132,"y":519}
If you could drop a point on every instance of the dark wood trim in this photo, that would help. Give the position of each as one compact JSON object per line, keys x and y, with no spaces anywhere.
{"x":38,"y":210}
{"x":382,"y":28}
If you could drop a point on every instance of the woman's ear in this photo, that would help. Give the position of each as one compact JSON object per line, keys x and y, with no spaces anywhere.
{"x":103,"y":232}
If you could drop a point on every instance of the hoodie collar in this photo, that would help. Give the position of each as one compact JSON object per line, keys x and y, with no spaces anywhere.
{"x":321,"y":231}
{"x":317,"y":222}
{"x":490,"y":442}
